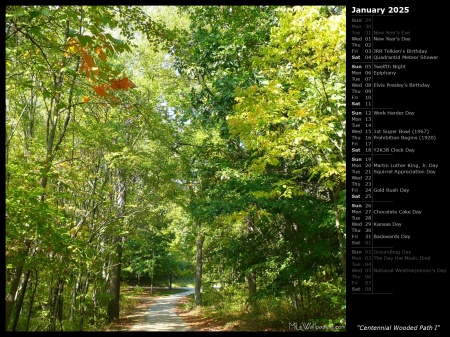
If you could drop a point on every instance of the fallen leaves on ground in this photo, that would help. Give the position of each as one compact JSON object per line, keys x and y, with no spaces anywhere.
{"x":132,"y":317}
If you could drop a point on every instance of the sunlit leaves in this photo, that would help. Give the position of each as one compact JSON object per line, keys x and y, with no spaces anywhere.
{"x":298,"y":108}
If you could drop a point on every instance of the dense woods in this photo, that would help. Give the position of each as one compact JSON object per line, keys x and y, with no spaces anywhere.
{"x":159,"y":144}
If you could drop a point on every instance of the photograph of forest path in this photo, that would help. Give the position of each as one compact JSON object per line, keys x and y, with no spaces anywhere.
{"x":154,"y":149}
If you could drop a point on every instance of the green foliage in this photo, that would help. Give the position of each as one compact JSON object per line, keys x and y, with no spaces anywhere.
{"x":234,"y":129}
{"x":229,"y":305}
{"x":297,"y":110}
{"x":220,"y":43}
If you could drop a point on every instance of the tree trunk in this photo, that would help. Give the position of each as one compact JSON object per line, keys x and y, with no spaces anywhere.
{"x":335,"y":196}
{"x":58,"y":312}
{"x":52,"y":291}
{"x":74,"y":296}
{"x":30,"y":306}
{"x":251,"y":283}
{"x":252,"y":274}
{"x":94,"y":293}
{"x":14,"y":286}
{"x":170,"y":281}
{"x":294,"y":291}
{"x":84,"y":291}
{"x":114,"y":284}
{"x":295,"y":300}
{"x":308,"y":291}
{"x":117,"y":241}
{"x":199,"y":267}
{"x":302,"y":301}
{"x":21,"y":296}
{"x":252,"y":304}
{"x":57,"y":304}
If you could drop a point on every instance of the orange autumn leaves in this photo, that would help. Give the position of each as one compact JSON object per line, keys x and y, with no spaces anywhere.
{"x":89,"y":67}
{"x":88,"y":64}
{"x":122,"y":84}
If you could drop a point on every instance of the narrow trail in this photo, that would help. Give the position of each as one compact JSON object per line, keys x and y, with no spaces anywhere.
{"x":161,"y":315}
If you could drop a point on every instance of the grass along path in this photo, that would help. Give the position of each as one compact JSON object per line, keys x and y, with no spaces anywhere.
{"x":206,"y":319}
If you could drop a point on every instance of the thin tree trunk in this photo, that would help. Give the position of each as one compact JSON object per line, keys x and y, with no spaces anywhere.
{"x":199,"y":266}
{"x":30,"y":306}
{"x":23,"y":289}
{"x":117,"y":241}
{"x":252,"y":274}
{"x":251,"y":283}
{"x":308,"y":291}
{"x":82,"y":300}
{"x":295,"y":300}
{"x":14,"y":286}
{"x":58,"y":305}
{"x":51,"y":305}
{"x":114,"y":285}
{"x":252,"y":304}
{"x":94,"y":292}
{"x":74,"y":296}
{"x":94,"y":298}
{"x":302,"y":300}
{"x":335,"y":196}
{"x":293,"y":291}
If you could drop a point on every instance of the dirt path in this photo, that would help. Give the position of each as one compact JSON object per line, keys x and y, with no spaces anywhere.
{"x":160,"y":315}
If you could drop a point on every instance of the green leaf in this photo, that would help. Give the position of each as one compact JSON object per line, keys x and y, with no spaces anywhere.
{"x":105,"y":20}
{"x":46,"y":93}
{"x":94,"y":29}
{"x":85,"y":40}
{"x":35,"y":31}
{"x":61,"y":106}
{"x":28,"y":84}
{"x":34,"y":14}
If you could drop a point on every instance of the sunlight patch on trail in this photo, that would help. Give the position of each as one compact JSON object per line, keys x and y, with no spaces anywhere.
{"x":161,"y":315}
